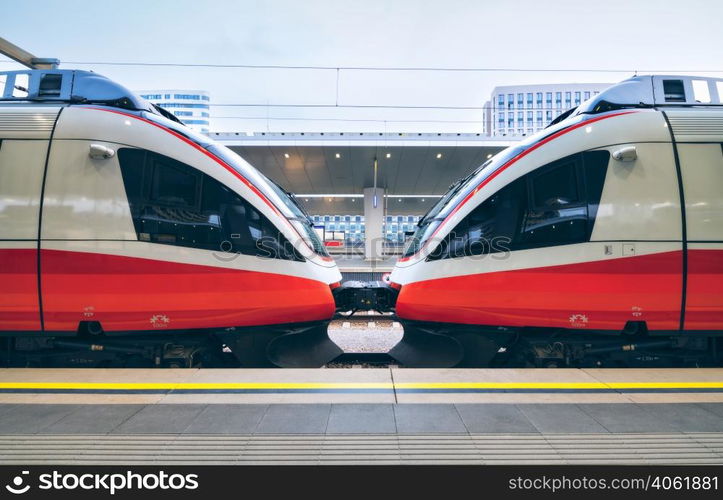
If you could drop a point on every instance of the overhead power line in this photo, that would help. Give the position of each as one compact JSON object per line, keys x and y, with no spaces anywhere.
{"x":393,"y":68}
{"x":388,"y":68}
{"x":277,"y":118}
{"x":263,"y":105}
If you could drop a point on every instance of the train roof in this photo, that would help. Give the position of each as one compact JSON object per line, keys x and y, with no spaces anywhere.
{"x":647,"y":91}
{"x":71,"y":86}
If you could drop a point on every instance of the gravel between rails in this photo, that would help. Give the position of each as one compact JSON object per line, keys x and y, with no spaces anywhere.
{"x":370,"y":334}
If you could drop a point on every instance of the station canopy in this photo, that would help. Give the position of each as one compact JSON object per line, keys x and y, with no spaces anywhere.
{"x":329,"y":171}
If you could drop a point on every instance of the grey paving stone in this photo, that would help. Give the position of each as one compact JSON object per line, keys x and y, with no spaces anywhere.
{"x":494,"y":418}
{"x":716,"y":408}
{"x":686,"y":417}
{"x":160,"y":419}
{"x":295,"y":419}
{"x":92,"y":419}
{"x":624,"y":417}
{"x":428,"y":419}
{"x":5,"y":407}
{"x":560,"y":418}
{"x":227,"y":419}
{"x":361,"y":419}
{"x":30,"y":419}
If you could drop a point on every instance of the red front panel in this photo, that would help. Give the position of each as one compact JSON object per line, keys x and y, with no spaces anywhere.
{"x":600,"y":295}
{"x":704,"y":302}
{"x":125,"y":293}
{"x":19,"y":308}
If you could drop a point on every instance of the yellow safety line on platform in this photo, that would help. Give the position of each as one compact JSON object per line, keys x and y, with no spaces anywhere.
{"x":559,"y":385}
{"x":179,"y":386}
{"x":170,"y":386}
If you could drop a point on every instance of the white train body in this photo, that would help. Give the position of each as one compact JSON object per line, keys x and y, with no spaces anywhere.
{"x":611,"y":217}
{"x":167,"y":231}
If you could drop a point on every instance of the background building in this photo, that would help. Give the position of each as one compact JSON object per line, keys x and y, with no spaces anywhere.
{"x":517,"y":110}
{"x":190,"y":106}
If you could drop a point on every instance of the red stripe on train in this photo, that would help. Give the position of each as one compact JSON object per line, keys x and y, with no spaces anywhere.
{"x":126,"y":293}
{"x":19,"y":308}
{"x":591,"y":295}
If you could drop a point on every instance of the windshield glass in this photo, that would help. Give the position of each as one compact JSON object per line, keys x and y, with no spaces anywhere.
{"x":302,"y":222}
{"x":288,"y":204}
{"x":462,"y":188}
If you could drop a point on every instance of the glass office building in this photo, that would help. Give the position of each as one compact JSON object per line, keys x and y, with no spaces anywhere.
{"x":192,"y":107}
{"x":526,"y":109}
{"x":351,"y":229}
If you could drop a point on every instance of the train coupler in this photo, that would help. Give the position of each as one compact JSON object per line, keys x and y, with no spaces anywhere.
{"x":365,"y":296}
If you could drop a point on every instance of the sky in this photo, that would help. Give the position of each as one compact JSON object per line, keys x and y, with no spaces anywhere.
{"x":628,"y":35}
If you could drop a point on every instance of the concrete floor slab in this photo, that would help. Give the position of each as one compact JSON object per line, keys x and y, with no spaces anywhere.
{"x":716,"y":408}
{"x":560,"y":418}
{"x":491,"y":375}
{"x":292,"y":375}
{"x":92,"y":419}
{"x":30,"y":419}
{"x":627,"y":418}
{"x":688,"y":417}
{"x":675,"y":397}
{"x":428,"y":419}
{"x":655,"y":374}
{"x":361,"y":419}
{"x":97,"y":375}
{"x":160,"y":419}
{"x":295,"y":419}
{"x":509,"y":398}
{"x":227,"y":419}
{"x":494,"y":418}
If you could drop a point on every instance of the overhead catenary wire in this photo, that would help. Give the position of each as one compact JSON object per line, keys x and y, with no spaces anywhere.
{"x":377,"y":120}
{"x":389,"y":68}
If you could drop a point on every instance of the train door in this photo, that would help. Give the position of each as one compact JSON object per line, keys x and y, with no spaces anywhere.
{"x":594,"y":244}
{"x":85,"y":218}
{"x":24,"y":139}
{"x":702,"y":171}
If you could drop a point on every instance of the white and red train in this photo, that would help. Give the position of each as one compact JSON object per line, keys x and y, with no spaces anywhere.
{"x":598,"y":240}
{"x":127,"y":238}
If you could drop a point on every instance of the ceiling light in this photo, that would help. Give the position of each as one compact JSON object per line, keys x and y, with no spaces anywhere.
{"x":389,"y":155}
{"x":399,"y":200}
{"x":422,"y":199}
{"x":439,"y":155}
{"x":338,"y":155}
{"x":306,"y":199}
{"x":286,"y":155}
{"x":489,"y":156}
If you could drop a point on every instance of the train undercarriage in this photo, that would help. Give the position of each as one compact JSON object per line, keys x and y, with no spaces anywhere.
{"x":307,"y":345}
{"x":285,"y":346}
{"x":442,"y":345}
{"x":424,"y":345}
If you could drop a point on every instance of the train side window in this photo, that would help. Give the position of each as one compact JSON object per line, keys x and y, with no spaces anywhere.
{"x":174,"y":183}
{"x":175,"y":204}
{"x":674,"y":90}
{"x":557,"y":214}
{"x":489,"y":228}
{"x":554,"y":205}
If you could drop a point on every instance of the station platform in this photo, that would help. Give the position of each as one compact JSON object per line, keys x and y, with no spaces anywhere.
{"x":355,"y":267}
{"x":361,"y":416}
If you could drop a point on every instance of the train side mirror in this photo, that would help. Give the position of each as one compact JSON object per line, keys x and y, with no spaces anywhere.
{"x":100,"y":152}
{"x":626,"y":154}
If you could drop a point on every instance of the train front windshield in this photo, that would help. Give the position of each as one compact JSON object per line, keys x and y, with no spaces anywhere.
{"x":292,"y":211}
{"x":457,"y":192}
{"x":298,"y":217}
{"x":462,"y":188}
